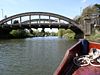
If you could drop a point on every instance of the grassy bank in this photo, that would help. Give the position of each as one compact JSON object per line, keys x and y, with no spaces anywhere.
{"x":93,"y":37}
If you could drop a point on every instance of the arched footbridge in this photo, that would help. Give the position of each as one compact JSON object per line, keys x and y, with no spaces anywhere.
{"x":39,"y":20}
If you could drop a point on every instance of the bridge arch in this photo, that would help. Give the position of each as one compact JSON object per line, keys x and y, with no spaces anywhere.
{"x":71,"y":23}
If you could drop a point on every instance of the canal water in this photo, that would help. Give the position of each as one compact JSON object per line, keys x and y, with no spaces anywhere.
{"x":32,"y":56}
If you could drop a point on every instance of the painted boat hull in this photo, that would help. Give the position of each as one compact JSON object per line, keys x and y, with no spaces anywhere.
{"x":67,"y":66}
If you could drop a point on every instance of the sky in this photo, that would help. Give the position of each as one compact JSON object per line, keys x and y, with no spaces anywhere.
{"x":68,"y":8}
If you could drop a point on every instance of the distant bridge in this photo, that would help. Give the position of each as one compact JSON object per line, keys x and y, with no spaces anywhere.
{"x":39,"y":20}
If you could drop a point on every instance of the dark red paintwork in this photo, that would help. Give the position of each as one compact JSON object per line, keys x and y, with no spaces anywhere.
{"x":67,"y":67}
{"x":87,"y":70}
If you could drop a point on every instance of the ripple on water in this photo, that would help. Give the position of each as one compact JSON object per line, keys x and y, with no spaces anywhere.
{"x":32,"y":56}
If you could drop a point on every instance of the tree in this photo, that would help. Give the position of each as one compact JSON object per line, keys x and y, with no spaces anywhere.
{"x":61,"y":32}
{"x":19,"y":33}
{"x":88,"y":11}
{"x":77,"y":19}
{"x":98,"y":7}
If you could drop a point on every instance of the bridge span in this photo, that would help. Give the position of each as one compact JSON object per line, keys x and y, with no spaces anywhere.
{"x":39,"y":20}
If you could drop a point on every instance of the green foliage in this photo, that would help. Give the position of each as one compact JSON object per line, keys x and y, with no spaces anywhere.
{"x":68,"y":34}
{"x":93,"y":37}
{"x":53,"y":34}
{"x":98,"y":7}
{"x":61,"y":32}
{"x":36,"y":33}
{"x":97,"y":36}
{"x":69,"y":31}
{"x":18,"y":33}
{"x":77,"y":19}
{"x":88,"y":11}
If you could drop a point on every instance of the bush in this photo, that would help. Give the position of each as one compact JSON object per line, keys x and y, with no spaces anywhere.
{"x":18,"y":33}
{"x":68,"y":34}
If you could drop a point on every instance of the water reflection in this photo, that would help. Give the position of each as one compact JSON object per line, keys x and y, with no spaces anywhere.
{"x":32,"y":56}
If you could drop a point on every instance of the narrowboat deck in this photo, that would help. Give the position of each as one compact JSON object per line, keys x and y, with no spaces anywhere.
{"x":68,"y":66}
{"x":87,"y":70}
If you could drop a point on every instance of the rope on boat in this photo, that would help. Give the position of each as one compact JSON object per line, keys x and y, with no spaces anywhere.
{"x":90,"y":59}
{"x":98,"y":60}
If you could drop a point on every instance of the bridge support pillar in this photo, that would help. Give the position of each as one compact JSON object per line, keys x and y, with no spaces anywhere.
{"x":43,"y":31}
{"x":31,"y":31}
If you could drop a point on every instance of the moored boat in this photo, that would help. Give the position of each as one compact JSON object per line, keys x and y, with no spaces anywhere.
{"x":81,"y":59}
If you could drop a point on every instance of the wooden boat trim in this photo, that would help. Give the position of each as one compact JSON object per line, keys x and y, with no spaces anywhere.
{"x":70,"y":53}
{"x":94,"y":45}
{"x":66,"y":66}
